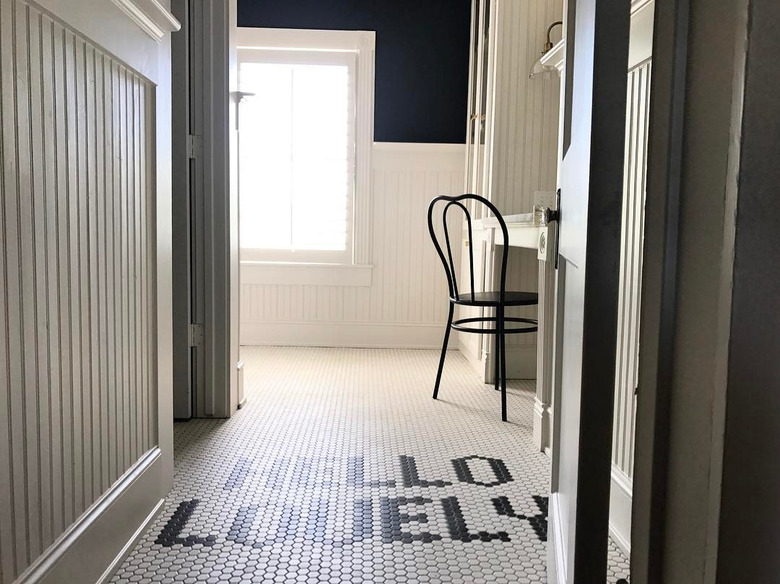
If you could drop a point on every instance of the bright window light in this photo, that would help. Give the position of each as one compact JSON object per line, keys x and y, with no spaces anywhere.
{"x":296,"y":155}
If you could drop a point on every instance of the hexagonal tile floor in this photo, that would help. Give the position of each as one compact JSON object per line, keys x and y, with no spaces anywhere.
{"x":341,"y":468}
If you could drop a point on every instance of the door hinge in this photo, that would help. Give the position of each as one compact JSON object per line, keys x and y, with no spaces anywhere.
{"x":194,"y":146}
{"x":196,"y":335}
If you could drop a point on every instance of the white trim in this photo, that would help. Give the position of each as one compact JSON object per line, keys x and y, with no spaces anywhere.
{"x":364,"y":141}
{"x":345,"y":334}
{"x":304,"y":39}
{"x":131,"y":543}
{"x":637,"y":5}
{"x":241,"y":396}
{"x":295,"y":56}
{"x":556,"y":560}
{"x":153,"y":18}
{"x":101,"y":538}
{"x":541,"y":425}
{"x":427,"y":147}
{"x":280,"y":273}
{"x":417,"y":156}
{"x":306,"y":257}
{"x":555,"y":56}
{"x":620,"y":508}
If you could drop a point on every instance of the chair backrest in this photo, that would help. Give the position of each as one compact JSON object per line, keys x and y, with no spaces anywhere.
{"x":447,"y":261}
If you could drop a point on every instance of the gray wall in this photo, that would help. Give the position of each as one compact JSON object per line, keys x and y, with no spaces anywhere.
{"x":750,"y":509}
{"x":78,"y":280}
{"x":698,"y":339}
{"x":708,"y":429}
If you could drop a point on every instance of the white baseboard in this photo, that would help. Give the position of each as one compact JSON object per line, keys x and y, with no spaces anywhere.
{"x":541,"y":427}
{"x":97,"y":543}
{"x":620,"y":510}
{"x":556,"y":549}
{"x":128,"y":547}
{"x":346,"y":334}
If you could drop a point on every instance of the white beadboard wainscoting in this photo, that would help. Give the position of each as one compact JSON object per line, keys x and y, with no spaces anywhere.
{"x":524,"y":132}
{"x":638,"y":117}
{"x":82,"y":457}
{"x":402,"y":300}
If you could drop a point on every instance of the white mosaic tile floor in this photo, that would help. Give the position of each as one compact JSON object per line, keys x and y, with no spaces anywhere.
{"x":341,"y":468}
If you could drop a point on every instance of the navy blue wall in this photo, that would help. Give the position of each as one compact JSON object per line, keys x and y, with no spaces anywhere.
{"x":422,"y":54}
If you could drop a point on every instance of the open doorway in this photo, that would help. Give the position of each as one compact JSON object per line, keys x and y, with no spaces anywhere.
{"x":339,"y":282}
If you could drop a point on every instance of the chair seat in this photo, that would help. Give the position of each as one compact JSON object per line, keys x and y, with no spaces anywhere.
{"x":493,"y":299}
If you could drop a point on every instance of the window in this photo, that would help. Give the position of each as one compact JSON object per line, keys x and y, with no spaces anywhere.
{"x":304,"y":145}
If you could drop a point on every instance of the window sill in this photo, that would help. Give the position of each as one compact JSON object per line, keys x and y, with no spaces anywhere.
{"x":280,"y":273}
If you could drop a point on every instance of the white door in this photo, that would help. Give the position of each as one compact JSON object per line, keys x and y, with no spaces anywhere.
{"x":591,"y":174}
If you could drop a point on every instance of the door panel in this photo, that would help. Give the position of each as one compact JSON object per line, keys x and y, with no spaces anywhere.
{"x":213,"y":233}
{"x":184,"y":354}
{"x":591,"y":174}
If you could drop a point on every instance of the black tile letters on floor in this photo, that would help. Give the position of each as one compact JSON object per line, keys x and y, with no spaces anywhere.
{"x":341,"y":468}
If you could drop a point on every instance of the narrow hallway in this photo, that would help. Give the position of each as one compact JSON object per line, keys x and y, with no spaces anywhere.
{"x":341,"y":468}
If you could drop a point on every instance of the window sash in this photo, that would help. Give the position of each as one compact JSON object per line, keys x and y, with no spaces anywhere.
{"x":346,"y":58}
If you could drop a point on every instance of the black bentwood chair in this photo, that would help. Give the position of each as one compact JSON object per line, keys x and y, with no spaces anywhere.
{"x":497,"y":300}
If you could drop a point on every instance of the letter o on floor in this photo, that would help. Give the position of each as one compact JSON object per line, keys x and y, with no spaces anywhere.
{"x":463,"y":471}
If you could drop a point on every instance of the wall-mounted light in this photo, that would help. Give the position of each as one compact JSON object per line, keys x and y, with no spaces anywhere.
{"x":539,"y":68}
{"x":238,"y":97}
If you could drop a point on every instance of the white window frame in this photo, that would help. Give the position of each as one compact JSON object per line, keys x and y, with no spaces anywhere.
{"x":266,"y":267}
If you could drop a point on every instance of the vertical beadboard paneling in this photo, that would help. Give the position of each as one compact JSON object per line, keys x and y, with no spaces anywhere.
{"x":525,"y":125}
{"x":408,"y":285}
{"x":523,"y":132}
{"x":77,"y":351}
{"x":631,"y":267}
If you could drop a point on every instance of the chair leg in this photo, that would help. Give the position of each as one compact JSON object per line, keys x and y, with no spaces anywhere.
{"x":496,"y":355}
{"x":443,"y":351}
{"x":502,"y":355}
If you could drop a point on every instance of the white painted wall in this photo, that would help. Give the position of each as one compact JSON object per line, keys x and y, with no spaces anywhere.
{"x":404,"y":303}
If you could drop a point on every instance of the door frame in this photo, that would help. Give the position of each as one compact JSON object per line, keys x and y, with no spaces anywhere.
{"x":693,"y":179}
{"x":205,"y":191}
{"x":659,"y":286}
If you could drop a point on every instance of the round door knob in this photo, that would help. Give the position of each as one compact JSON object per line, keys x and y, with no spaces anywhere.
{"x":551,"y":215}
